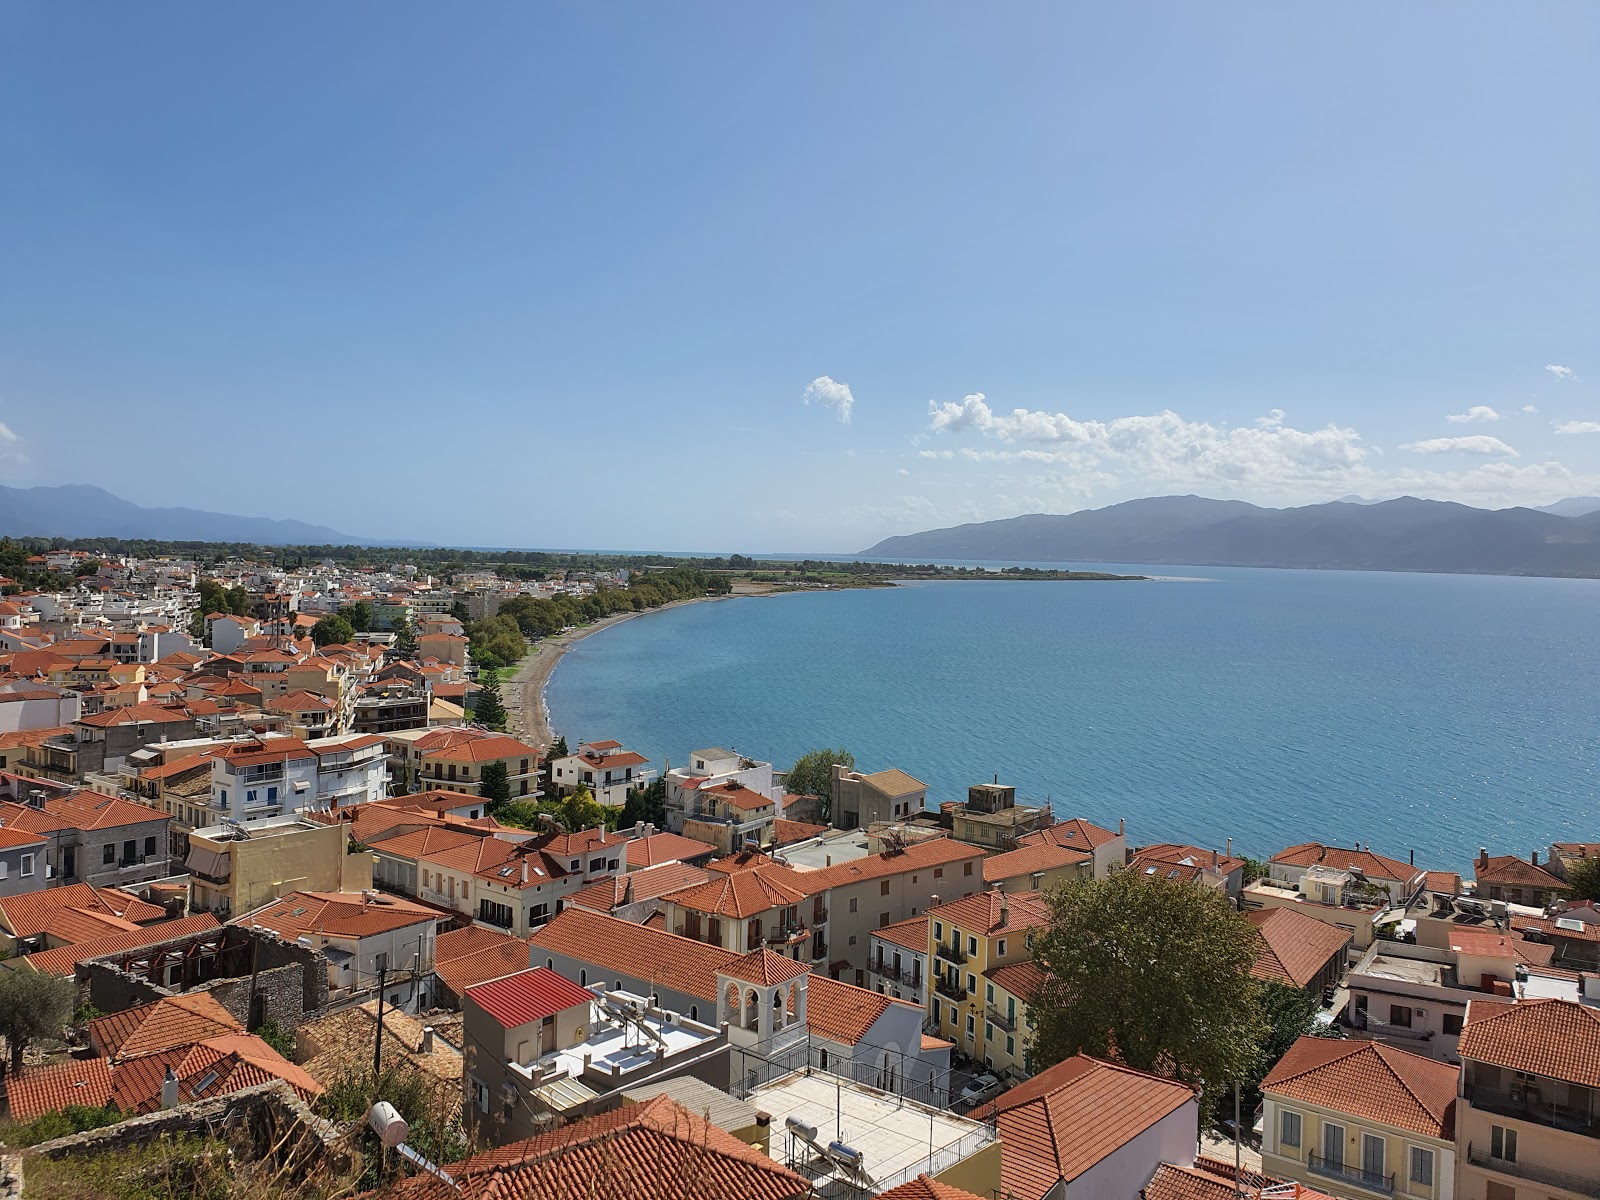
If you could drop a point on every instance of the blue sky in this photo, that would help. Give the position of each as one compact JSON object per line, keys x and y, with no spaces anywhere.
{"x":564,"y":275}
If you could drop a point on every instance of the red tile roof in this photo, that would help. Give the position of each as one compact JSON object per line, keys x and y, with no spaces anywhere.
{"x":529,"y":995}
{"x":994,"y":913}
{"x":1371,"y":1081}
{"x":338,"y":914}
{"x":842,"y":1012}
{"x":764,"y":968}
{"x":1073,"y":1115}
{"x":40,"y":1090}
{"x":1559,"y":1039}
{"x":910,"y":934}
{"x":786,"y":832}
{"x":744,"y":894}
{"x":63,"y":960}
{"x":1508,"y":870}
{"x":1209,"y":1179}
{"x":1293,"y":947}
{"x":1373,"y":866}
{"x":1173,"y":860}
{"x":636,"y":886}
{"x":1030,"y":860}
{"x":171,"y":1021}
{"x":1022,"y":979}
{"x":657,"y":1150}
{"x":664,"y":848}
{"x":39,"y":912}
{"x":462,"y":971}
{"x":932,"y":854}
{"x":81,"y":810}
{"x":1074,"y":832}
{"x":925,"y":1188}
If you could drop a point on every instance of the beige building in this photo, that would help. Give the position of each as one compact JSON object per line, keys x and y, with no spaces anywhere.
{"x":234,"y":870}
{"x":730,"y":816}
{"x":1528,"y":1121}
{"x":860,"y":800}
{"x":446,"y":647}
{"x":1035,"y":868}
{"x":1359,"y":1119}
{"x":1107,"y":849}
{"x":992,"y":818}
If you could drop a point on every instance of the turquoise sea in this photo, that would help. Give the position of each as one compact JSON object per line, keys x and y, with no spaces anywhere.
{"x":1425,"y":714}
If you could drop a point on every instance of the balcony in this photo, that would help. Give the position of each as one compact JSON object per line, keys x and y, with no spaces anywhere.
{"x":952,"y":953}
{"x":787,"y":935}
{"x":1002,"y":1020}
{"x":1382,"y":1185}
{"x":1584,"y":1185}
{"x":950,"y":991}
{"x":1382,"y":1029}
{"x":1527,"y":1104}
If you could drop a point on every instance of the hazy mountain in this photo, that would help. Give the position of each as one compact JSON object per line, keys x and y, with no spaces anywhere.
{"x":1573,"y":506}
{"x":1395,"y":535}
{"x":81,"y":511}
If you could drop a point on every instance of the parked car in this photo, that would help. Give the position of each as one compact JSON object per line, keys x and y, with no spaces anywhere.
{"x":983,"y":1087}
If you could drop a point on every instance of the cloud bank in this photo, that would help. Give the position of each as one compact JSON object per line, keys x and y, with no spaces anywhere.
{"x":1560,"y":372}
{"x":1478,"y":412}
{"x":1578,"y":427}
{"x":832,"y":395}
{"x":1478,"y":443}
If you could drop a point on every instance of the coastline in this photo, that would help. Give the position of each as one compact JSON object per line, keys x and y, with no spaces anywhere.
{"x":523,"y":693}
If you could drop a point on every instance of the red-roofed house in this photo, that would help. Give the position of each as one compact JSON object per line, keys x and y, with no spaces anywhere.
{"x":1107,"y":848}
{"x":1516,"y":880}
{"x":453,"y":757}
{"x":93,"y":838}
{"x":605,"y":768}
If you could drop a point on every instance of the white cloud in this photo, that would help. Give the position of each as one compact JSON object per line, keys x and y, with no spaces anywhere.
{"x":1530,"y":408}
{"x":831,"y":394}
{"x":1478,"y":443}
{"x":6,"y":436}
{"x":936,"y":453}
{"x":1579,"y":427}
{"x":1560,"y":372}
{"x":1161,"y":448}
{"x":902,"y":471}
{"x":1478,"y":412}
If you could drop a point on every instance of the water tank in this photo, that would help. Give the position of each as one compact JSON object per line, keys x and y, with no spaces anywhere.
{"x":809,"y":1132}
{"x":848,"y":1154}
{"x":387,"y":1123}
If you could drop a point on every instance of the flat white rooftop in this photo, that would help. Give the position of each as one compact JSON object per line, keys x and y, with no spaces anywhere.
{"x":897,"y":1138}
{"x":623,"y":1048}
{"x":1407,"y":970}
{"x":824,"y":852}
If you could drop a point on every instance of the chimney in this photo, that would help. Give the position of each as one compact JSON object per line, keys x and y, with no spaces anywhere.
{"x":1215,"y":859}
{"x":1122,"y":826}
{"x":1005,"y":910}
{"x":524,"y":870}
{"x":427,"y":1039}
{"x":1483,"y":858}
{"x":169,"y":1090}
{"x":1230,"y":847}
{"x":1535,"y":859}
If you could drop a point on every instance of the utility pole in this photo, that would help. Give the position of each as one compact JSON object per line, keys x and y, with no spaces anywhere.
{"x":1238,"y":1183}
{"x":377,"y":1045}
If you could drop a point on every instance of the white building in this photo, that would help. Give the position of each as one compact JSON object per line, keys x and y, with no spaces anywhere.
{"x":605,"y":768}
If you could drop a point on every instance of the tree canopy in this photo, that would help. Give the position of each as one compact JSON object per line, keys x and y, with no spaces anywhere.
{"x":576,"y":812}
{"x":494,"y":784}
{"x":487,"y":707}
{"x":359,"y":615}
{"x":812,"y":775}
{"x":1583,"y":879}
{"x":33,"y":1005}
{"x":332,"y":630}
{"x":1151,"y":972}
{"x":648,"y":804}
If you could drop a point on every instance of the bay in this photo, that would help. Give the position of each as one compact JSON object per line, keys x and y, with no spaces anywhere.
{"x":1425,"y":715}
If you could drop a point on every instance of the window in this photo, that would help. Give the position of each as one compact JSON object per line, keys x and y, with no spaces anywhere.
{"x":3,"y":868}
{"x":1011,"y":1046}
{"x":1422,"y":1166}
{"x":988,"y":993}
{"x":480,"y":1094}
{"x":938,"y":930}
{"x":1373,"y":1150}
{"x":1332,"y":1144}
{"x":1288,"y":1128}
{"x":966,"y":868}
{"x":972,"y":1026}
{"x":883,"y":919}
{"x":1000,"y":948}
{"x":852,"y":939}
{"x":883,"y":887}
{"x":972,"y":984}
{"x":936,"y":1013}
{"x":380,"y":962}
{"x":988,"y":1032}
{"x":1452,"y":1024}
{"x":27,"y":864}
{"x":130,"y":850}
{"x":1400,"y":1015}
{"x":938,"y":872}
{"x":272,"y":795}
{"x":222,"y":797}
{"x":852,"y":904}
{"x":149,"y":845}
{"x":1503,"y":1143}
{"x":972,"y":944}
{"x":108,"y":853}
{"x":250,"y":796}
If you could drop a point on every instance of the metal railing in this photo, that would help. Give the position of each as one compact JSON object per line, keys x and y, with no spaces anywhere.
{"x":1006,"y":1021}
{"x":949,"y":951}
{"x":1587,"y":1185}
{"x":951,"y":991}
{"x":1527,"y":1104}
{"x":1369,"y":1180}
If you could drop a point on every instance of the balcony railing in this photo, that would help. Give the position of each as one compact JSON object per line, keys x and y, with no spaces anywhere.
{"x":1405,"y":1032}
{"x":819,"y":950}
{"x":948,"y":951}
{"x":1006,"y":1021}
{"x":787,"y":934}
{"x":1527,"y":1104}
{"x":1587,"y":1185}
{"x":1368,"y":1180}
{"x":951,"y":991}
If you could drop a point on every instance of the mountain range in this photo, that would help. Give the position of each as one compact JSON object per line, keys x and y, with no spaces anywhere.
{"x":1406,"y":534}
{"x":82,"y":511}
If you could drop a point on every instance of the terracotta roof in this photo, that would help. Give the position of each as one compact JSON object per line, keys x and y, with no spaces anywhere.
{"x":930,"y":854}
{"x":1028,"y":860}
{"x":925,"y":1188}
{"x":665,"y":847}
{"x":740,"y":797}
{"x":910,"y":934}
{"x":1173,"y":860}
{"x":1585,"y":932}
{"x":992,"y":913}
{"x":786,"y":833}
{"x":1293,"y":947}
{"x":40,"y":1090}
{"x":436,"y":800}
{"x":743,"y":894}
{"x":463,"y":971}
{"x":171,"y":1021}
{"x":458,"y":943}
{"x":12,"y":838}
{"x":1074,"y":832}
{"x":1559,"y":1039}
{"x":338,"y":914}
{"x":764,"y":968}
{"x":1373,"y":866}
{"x":38,"y":912}
{"x":636,"y":886}
{"x":1073,"y":1115}
{"x":1371,"y":1081}
{"x":135,"y":714}
{"x":298,"y":701}
{"x":1508,"y":869}
{"x":657,"y":1150}
{"x":1446,"y":883}
{"x":529,"y":995}
{"x":842,"y":1012}
{"x":472,"y":745}
{"x":894,"y":782}
{"x":1209,"y":1179}
{"x":80,"y":810}
{"x":1022,"y":979}
{"x":63,"y":960}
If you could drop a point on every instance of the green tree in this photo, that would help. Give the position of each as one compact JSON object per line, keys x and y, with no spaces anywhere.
{"x":581,"y":811}
{"x":405,"y":640}
{"x":648,"y":803}
{"x":33,"y":1005}
{"x":1583,"y":879}
{"x":458,"y":610}
{"x":1254,"y":869}
{"x":1151,"y":972}
{"x":1289,"y":1014}
{"x":276,"y":1036}
{"x":812,"y":775}
{"x":558,"y":748}
{"x":494,"y":785}
{"x":359,"y":615}
{"x":332,"y":630}
{"x":487,"y":707}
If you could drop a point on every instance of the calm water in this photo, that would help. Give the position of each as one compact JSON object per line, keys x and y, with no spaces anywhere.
{"x":1421,"y":713}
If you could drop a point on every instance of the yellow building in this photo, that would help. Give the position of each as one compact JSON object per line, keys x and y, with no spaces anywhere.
{"x":1035,"y":868}
{"x":1008,"y":993}
{"x":236,"y":871}
{"x":1359,"y":1119}
{"x":967,"y":940}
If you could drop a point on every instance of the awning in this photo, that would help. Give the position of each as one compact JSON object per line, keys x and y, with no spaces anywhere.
{"x":208,"y":862}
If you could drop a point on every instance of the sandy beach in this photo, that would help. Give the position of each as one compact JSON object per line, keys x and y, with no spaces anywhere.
{"x":523,"y":693}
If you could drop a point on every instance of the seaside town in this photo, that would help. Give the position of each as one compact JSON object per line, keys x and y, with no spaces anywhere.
{"x":299,"y":894}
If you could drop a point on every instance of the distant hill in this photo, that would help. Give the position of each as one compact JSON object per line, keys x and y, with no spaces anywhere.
{"x":1395,"y":535}
{"x":81,"y":511}
{"x":1574,"y":506}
